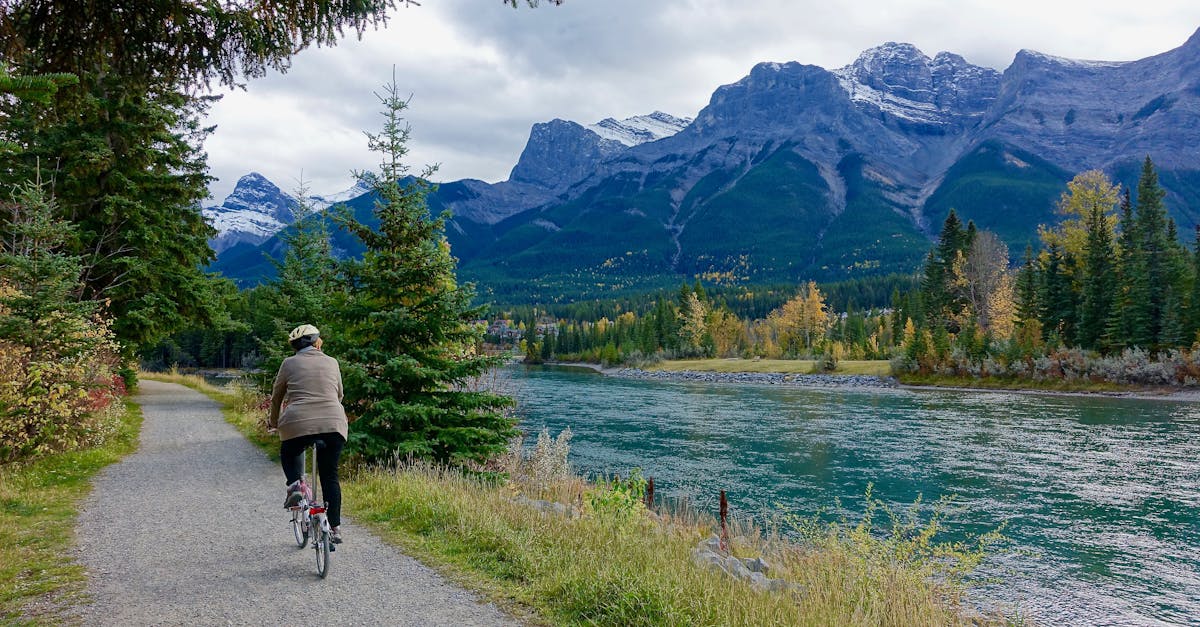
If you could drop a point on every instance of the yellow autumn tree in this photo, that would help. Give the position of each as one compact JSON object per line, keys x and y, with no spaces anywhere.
{"x":727,"y":333}
{"x":801,"y":321}
{"x":693,"y":328}
{"x":1085,"y":192}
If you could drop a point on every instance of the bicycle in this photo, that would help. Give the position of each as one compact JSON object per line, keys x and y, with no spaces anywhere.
{"x":308,"y":518}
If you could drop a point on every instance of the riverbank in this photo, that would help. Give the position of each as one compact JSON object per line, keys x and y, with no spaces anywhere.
{"x":759,"y":378}
{"x":603,"y":559}
{"x":726,"y":371}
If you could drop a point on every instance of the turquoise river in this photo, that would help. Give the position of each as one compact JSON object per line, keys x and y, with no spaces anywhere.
{"x":1101,"y":496}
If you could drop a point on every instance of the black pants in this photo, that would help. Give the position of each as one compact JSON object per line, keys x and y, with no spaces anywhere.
{"x":291,"y":456}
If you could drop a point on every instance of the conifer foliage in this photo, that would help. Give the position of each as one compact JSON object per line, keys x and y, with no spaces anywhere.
{"x":57,"y":365}
{"x":408,"y":334}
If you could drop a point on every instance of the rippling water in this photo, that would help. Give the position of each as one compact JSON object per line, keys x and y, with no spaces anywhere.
{"x":1101,"y":496}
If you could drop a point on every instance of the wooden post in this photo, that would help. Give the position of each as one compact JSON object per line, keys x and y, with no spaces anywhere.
{"x":724,"y":523}
{"x":650,"y":493}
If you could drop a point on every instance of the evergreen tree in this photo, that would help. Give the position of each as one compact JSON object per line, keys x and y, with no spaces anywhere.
{"x":939,"y":290}
{"x":128,"y":174}
{"x":1149,"y":271}
{"x":1119,"y":327}
{"x":39,"y":282}
{"x":408,"y":332}
{"x":1057,"y":300}
{"x":302,"y":290}
{"x":1028,"y":307}
{"x":1099,"y":281}
{"x":1192,"y":327}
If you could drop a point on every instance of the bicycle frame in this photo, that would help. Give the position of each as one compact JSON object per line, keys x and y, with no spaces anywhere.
{"x":311,"y":517}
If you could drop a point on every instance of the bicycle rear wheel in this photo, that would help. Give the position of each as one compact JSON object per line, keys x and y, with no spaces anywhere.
{"x":321,"y":544}
{"x":299,"y":528}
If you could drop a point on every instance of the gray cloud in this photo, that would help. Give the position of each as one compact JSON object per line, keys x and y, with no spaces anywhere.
{"x":481,"y":74}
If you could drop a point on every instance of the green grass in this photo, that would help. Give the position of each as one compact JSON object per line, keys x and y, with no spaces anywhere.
{"x":878,"y":368}
{"x":39,"y":504}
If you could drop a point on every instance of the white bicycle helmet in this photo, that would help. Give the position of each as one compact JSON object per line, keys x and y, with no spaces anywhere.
{"x":301,"y":331}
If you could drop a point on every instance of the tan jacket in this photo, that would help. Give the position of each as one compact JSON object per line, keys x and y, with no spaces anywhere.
{"x":310,"y":382}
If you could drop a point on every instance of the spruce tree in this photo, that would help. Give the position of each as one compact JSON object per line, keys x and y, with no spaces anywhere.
{"x":302,"y":291}
{"x":1177,"y":273}
{"x":1118,"y":328}
{"x":1150,"y":265}
{"x":1028,"y":307}
{"x":941,"y":299}
{"x":1192,"y":328}
{"x":40,"y":307}
{"x":1098,"y":281}
{"x":1057,"y":300}
{"x":408,"y":333}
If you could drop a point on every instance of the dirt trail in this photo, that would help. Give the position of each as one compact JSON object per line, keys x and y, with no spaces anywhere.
{"x":190,"y":530}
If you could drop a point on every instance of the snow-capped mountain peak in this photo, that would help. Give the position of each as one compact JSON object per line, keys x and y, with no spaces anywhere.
{"x":359,"y":188}
{"x":258,"y":209}
{"x":640,"y":129}
{"x":901,"y":81}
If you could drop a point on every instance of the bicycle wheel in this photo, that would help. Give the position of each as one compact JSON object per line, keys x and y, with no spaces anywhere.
{"x":321,"y":544}
{"x":299,"y":528}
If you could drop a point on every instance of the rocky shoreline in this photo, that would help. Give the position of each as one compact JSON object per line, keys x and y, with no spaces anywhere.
{"x":862,"y":382}
{"x":757,"y":378}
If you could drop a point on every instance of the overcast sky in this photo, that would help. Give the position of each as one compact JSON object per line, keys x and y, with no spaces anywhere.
{"x":480,"y":73}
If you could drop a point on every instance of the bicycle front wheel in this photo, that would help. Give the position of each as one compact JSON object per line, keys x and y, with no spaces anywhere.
{"x":321,"y":542}
{"x":299,"y":528}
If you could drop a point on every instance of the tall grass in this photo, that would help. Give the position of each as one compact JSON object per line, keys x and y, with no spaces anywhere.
{"x":39,"y":504}
{"x":605,"y":570}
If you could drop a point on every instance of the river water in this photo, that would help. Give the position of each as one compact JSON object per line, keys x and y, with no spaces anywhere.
{"x":1101,"y":496}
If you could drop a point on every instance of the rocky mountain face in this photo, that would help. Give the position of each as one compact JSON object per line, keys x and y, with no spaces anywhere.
{"x":256,"y":210}
{"x":798,"y":172}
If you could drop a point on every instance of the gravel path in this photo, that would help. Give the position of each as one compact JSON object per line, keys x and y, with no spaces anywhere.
{"x":190,"y":530}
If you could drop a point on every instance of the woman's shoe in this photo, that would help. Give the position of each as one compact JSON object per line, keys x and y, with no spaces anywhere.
{"x":295,"y":494}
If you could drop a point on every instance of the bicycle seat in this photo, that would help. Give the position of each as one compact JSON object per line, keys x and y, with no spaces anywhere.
{"x":320,"y":444}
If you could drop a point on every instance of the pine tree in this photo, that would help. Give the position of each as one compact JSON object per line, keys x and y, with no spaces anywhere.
{"x":1028,"y":307}
{"x":1057,"y":300}
{"x":1099,"y":282}
{"x":304,"y":277}
{"x":408,"y":333}
{"x":39,"y":282}
{"x":128,"y":174}
{"x":302,"y":290}
{"x":1118,"y":329}
{"x":940,"y":295}
{"x":1149,"y":271}
{"x":1192,"y":328}
{"x":1177,"y":271}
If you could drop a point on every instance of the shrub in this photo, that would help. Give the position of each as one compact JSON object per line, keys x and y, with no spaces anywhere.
{"x":58,"y":360}
{"x":56,"y":403}
{"x":620,"y":500}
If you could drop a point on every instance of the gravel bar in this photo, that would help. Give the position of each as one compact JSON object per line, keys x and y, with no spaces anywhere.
{"x":759,"y":378}
{"x":190,"y":530}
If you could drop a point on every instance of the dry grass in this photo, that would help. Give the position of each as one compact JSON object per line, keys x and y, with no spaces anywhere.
{"x":611,"y":571}
{"x":878,"y":368}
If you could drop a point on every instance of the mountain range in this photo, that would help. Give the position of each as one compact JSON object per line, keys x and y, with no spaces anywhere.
{"x":797,"y":172}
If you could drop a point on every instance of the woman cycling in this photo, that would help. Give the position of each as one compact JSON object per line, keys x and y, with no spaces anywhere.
{"x":309,"y":385}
